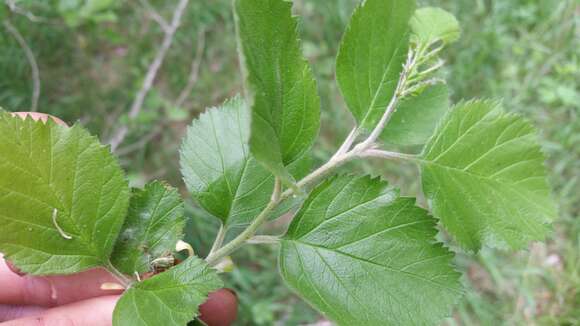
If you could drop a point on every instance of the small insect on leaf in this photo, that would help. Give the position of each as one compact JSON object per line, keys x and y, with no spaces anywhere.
{"x":63,"y":197}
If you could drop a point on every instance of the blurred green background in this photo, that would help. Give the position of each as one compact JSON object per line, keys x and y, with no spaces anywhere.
{"x":92,"y":57}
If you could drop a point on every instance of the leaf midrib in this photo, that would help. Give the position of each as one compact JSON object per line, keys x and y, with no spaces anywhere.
{"x":389,"y":268}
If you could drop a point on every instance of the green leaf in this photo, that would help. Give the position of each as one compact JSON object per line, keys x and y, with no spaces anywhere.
{"x":416,"y":117}
{"x":219,"y":169}
{"x":483,"y":172}
{"x":216,"y":162}
{"x":430,"y":25}
{"x":47,"y":169}
{"x":371,"y":57}
{"x":170,"y":298}
{"x":153,"y":226}
{"x":282,"y":89}
{"x":363,"y":256}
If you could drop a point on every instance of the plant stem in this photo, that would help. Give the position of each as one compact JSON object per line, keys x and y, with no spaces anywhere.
{"x":347,"y":142}
{"x":333,"y":163}
{"x":263,"y":239}
{"x":231,"y":246}
{"x":401,"y":85}
{"x":387,"y":155}
{"x":122,"y":278}
{"x":214,"y":257}
{"x":219,"y":239}
{"x":344,"y":154}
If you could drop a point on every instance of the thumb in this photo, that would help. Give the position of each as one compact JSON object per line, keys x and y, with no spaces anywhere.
{"x":220,"y":309}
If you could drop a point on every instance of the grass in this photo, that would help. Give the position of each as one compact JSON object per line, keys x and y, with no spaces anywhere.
{"x":522,"y":51}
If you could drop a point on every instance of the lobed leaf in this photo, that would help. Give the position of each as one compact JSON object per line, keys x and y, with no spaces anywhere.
{"x":153,"y":226}
{"x":171,"y":298}
{"x":63,"y":197}
{"x":417,"y":116}
{"x":280,"y":84}
{"x":483,"y":172}
{"x":363,"y":256}
{"x":371,"y":56}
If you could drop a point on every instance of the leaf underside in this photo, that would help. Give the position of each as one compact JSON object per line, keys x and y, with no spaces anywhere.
{"x":153,"y":226}
{"x":219,"y":169}
{"x":371,"y":57}
{"x":363,"y":256}
{"x":280,"y":84}
{"x":483,"y":172}
{"x":416,"y":117}
{"x":170,"y":298}
{"x":46,"y":167}
{"x":216,"y":162}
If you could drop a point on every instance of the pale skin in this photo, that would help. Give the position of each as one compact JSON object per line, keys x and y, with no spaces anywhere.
{"x":79,"y":299}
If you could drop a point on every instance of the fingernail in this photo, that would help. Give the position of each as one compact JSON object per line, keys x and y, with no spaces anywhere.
{"x":232,"y":292}
{"x":111,"y":286}
{"x":14,"y":269}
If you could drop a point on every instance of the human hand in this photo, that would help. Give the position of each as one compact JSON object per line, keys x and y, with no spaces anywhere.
{"x":79,"y":299}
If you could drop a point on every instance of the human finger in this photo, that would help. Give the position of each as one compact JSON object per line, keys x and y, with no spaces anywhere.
{"x":52,"y":291}
{"x":10,"y":312}
{"x":220,"y":309}
{"x":91,"y":312}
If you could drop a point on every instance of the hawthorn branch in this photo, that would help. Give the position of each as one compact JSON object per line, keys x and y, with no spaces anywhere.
{"x":122,"y":278}
{"x":215,"y":257}
{"x":376,"y":153}
{"x":247,"y":236}
{"x":263,"y":239}
{"x":137,"y":105}
{"x":347,"y":143}
{"x":391,"y":107}
{"x":344,"y":154}
{"x":31,"y":61}
{"x":219,"y":239}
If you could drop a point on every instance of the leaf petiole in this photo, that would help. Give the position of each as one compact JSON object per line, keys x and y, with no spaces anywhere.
{"x":219,"y":239}
{"x":263,"y":239}
{"x":215,"y":257}
{"x":122,"y":278}
{"x":342,"y":156}
{"x":389,"y":155}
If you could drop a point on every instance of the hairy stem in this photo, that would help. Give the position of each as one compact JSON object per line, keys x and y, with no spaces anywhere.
{"x":233,"y":245}
{"x":122,"y":278}
{"x":325,"y":169}
{"x":345,"y":147}
{"x":387,"y":155}
{"x":219,"y":240}
{"x":343,"y":155}
{"x":401,"y":85}
{"x":263,"y":239}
